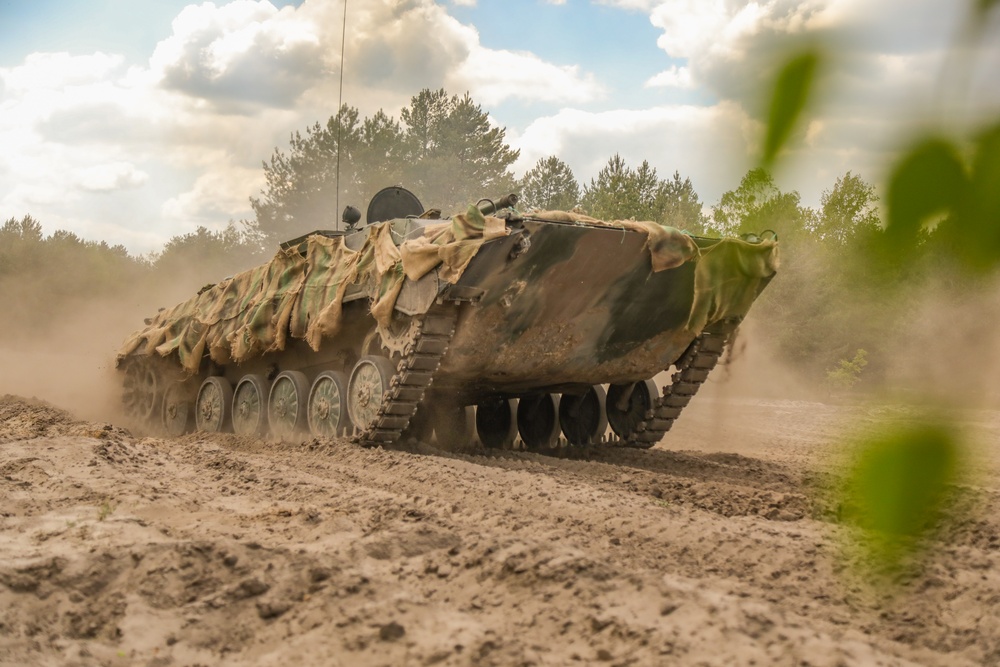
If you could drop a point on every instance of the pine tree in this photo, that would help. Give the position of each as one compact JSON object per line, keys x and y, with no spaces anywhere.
{"x":550,"y":185}
{"x":445,"y":149}
{"x":612,"y":195}
{"x":681,"y":207}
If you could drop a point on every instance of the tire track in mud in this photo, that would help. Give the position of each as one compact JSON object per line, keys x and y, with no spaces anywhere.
{"x":797,"y":564}
{"x":242,"y":551}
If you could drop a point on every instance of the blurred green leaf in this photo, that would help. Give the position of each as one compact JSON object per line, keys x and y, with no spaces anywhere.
{"x":931,"y":180}
{"x":978,"y":235}
{"x":788,"y":99}
{"x":927,"y":181}
{"x":899,"y":486}
{"x":985,"y":6}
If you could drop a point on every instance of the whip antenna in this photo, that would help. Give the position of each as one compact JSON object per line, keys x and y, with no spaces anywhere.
{"x":340,"y":118}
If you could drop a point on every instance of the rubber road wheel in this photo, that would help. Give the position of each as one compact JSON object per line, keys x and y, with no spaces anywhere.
{"x":496,"y":422}
{"x":582,"y":418}
{"x":537,"y":421}
{"x":625,"y":419}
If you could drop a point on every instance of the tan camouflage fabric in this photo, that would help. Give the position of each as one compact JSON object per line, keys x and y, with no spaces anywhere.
{"x":301,"y":295}
{"x":727,"y":279}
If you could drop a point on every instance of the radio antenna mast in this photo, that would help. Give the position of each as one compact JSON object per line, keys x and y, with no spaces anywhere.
{"x":340,"y":118}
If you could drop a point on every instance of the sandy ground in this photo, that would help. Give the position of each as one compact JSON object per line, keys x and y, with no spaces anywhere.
{"x":720,"y":546}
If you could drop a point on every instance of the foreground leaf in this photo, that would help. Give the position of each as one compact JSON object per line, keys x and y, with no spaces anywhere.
{"x":984,"y":6}
{"x":898,"y":488}
{"x":977,"y":237}
{"x":791,"y":92}
{"x":927,"y":181}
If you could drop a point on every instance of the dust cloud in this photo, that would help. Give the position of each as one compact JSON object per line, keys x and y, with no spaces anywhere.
{"x":948,"y":349}
{"x":61,"y":347}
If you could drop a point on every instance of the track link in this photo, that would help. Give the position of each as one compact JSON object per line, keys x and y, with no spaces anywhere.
{"x":693,"y":369}
{"x":414,"y":374}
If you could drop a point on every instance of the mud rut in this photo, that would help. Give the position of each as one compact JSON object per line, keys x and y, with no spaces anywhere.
{"x":218,"y":549}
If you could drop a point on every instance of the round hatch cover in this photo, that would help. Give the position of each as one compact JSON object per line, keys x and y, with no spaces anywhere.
{"x":393,"y":202}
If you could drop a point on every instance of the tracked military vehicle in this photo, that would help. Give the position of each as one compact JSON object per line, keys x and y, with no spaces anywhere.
{"x":531,"y":330}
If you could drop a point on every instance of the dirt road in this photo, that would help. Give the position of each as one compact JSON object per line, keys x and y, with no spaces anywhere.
{"x":717,"y":547}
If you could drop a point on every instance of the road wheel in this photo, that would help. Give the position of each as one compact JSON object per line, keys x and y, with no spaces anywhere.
{"x":287,"y":404}
{"x":537,"y":421}
{"x":496,"y":422}
{"x":328,"y":405}
{"x":141,"y":391}
{"x":629,"y":405}
{"x":582,"y":418}
{"x":178,"y":409}
{"x":213,"y":407}
{"x":250,"y":405}
{"x":367,"y":388}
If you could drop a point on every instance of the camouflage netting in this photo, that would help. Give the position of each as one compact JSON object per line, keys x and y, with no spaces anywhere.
{"x":301,"y":294}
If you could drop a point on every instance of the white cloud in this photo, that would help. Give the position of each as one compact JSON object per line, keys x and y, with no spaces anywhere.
{"x":215,"y":98}
{"x":177,"y":141}
{"x":55,"y":71}
{"x":675,"y":77}
{"x":643,"y":5}
{"x":218,"y":195}
{"x":406,"y":46}
{"x":110,"y":177}
{"x":494,"y":76}
{"x":243,"y":53}
{"x":707,"y":144}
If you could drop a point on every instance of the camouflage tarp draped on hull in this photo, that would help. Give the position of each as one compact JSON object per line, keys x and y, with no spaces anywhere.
{"x":301,"y":294}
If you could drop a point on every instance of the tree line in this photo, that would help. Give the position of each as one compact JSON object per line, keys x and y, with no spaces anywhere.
{"x":448,"y":150}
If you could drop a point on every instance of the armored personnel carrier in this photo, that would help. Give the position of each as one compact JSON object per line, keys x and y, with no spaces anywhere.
{"x":531,"y":330}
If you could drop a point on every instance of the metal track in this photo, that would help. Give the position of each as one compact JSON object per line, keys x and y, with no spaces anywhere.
{"x":692,"y":370}
{"x":414,"y":374}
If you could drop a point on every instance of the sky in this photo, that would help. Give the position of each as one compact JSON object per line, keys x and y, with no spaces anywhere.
{"x":133,"y":122}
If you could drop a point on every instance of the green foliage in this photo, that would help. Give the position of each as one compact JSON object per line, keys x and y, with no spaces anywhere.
{"x":612,"y":194}
{"x":43,"y":278}
{"x":938,"y":197}
{"x":973,"y":232}
{"x":898,"y":488}
{"x":928,"y":181}
{"x":47,"y":280}
{"x":756,"y":205}
{"x":445,"y":149}
{"x":847,"y":372}
{"x":789,"y":96}
{"x":550,"y":186}
{"x":984,"y":6}
{"x":205,"y":256}
{"x":681,"y":207}
{"x":848,"y":211}
{"x":620,"y":192}
{"x":942,"y":203}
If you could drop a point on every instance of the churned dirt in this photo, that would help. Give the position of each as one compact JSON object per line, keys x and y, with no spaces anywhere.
{"x":720,"y":546}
